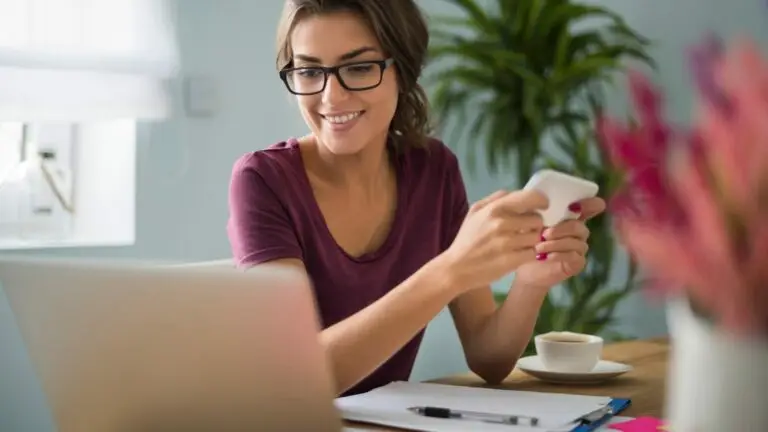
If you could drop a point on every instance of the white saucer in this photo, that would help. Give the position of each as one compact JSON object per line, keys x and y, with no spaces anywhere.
{"x":604,"y":370}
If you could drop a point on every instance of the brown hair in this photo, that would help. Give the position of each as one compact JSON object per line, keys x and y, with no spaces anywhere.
{"x":402,"y":32}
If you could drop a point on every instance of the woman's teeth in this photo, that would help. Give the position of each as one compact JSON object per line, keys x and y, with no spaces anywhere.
{"x":343,"y":118}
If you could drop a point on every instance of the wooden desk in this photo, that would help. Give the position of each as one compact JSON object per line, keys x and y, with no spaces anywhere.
{"x":645,"y":384}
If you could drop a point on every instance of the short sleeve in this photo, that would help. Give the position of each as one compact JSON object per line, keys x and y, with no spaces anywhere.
{"x":259,"y":226}
{"x":456,"y":203}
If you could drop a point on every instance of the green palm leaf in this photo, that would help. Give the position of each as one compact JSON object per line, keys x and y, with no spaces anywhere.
{"x":504,"y":75}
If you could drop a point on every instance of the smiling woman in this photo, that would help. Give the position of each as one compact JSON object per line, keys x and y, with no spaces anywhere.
{"x":375,"y":211}
{"x":378,"y":33}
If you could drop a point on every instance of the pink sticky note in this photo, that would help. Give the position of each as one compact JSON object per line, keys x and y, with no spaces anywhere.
{"x":640,"y":424}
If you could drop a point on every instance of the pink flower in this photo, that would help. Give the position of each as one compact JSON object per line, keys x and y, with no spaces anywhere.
{"x":641,"y":151}
{"x":702,"y":59}
{"x":694,"y":207}
{"x":737,"y":139}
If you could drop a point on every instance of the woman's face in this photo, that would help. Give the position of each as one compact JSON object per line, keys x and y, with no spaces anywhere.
{"x":344,"y":121}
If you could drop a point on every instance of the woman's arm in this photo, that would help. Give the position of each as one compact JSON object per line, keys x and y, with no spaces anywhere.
{"x":493,"y":337}
{"x":497,"y":237}
{"x":356,"y":346}
{"x":261,"y":231}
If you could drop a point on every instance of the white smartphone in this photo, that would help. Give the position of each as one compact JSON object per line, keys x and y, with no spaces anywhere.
{"x":562,"y":190}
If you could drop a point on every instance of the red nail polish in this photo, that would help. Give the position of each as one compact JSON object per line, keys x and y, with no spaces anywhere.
{"x":575,"y":207}
{"x":541,"y":256}
{"x":543,"y":238}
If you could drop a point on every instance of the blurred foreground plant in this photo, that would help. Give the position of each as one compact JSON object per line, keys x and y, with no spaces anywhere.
{"x":693,"y":209}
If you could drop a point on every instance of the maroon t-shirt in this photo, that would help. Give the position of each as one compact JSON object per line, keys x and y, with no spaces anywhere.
{"x":274,"y":215}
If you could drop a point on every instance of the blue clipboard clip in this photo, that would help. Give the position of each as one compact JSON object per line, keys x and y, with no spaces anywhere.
{"x":601,"y":416}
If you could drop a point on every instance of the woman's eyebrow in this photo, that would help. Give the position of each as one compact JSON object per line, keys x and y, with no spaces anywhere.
{"x":346,"y":56}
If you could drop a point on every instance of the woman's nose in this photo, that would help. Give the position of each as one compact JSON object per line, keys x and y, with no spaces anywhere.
{"x":334,"y":91}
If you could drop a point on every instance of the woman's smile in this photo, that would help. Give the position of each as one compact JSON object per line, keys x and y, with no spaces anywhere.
{"x":342,"y":121}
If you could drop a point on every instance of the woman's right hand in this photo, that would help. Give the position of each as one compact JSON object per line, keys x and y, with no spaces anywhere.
{"x":498,"y":235}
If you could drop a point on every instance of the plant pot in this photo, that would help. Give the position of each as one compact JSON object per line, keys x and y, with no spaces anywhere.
{"x":716,"y":382}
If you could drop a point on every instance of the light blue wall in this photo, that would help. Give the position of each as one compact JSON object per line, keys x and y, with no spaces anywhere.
{"x":184,"y":164}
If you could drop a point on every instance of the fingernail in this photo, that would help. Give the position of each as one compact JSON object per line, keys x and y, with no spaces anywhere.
{"x":542,"y":237}
{"x":541,"y":256}
{"x":575,"y":207}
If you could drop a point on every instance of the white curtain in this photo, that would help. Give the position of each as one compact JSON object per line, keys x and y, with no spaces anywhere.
{"x":80,"y":60}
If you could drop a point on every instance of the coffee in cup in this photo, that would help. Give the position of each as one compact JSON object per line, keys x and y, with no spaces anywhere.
{"x":568,"y":352}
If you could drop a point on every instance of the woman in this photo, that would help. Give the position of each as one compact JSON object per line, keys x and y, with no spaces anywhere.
{"x":376,"y":212}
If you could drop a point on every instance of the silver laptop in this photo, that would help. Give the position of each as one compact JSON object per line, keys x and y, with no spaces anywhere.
{"x":131,"y":347}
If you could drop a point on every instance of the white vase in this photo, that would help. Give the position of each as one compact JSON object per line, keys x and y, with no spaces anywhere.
{"x":716,"y":382}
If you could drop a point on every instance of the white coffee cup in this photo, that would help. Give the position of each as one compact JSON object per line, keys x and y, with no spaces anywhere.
{"x":569,"y":352}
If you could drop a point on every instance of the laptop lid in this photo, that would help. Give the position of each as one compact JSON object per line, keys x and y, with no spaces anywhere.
{"x":126,"y":347}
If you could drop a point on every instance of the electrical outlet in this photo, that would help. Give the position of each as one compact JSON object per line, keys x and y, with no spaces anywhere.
{"x":36,"y":197}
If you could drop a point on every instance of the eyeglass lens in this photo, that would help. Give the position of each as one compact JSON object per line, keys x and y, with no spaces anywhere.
{"x":354,"y":76}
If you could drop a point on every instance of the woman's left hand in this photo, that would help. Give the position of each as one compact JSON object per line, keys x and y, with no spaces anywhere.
{"x":562,"y":251}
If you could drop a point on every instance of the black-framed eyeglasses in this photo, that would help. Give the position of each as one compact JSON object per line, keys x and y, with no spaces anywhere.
{"x":357,"y":76}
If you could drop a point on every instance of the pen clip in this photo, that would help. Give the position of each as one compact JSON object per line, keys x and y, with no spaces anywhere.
{"x":596,"y":415}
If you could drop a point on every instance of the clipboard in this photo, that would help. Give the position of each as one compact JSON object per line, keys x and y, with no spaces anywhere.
{"x":591,"y":423}
{"x":391,"y":405}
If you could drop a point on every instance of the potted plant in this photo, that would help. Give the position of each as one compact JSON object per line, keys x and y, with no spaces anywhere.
{"x":524,"y":84}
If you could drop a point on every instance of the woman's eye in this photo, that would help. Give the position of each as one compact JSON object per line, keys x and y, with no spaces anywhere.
{"x":309,"y":73}
{"x":361,"y":68}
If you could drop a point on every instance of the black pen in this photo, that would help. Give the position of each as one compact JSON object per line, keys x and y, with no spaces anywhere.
{"x":446,"y":413}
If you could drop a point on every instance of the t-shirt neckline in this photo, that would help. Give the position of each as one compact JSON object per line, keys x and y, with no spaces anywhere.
{"x":317,"y":214}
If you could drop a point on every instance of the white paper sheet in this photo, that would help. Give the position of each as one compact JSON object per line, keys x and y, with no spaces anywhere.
{"x":389,"y":405}
{"x":605,"y":428}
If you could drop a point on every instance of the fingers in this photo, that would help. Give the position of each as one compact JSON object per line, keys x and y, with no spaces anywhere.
{"x":589,"y":207}
{"x":567,"y":237}
{"x":521,"y":202}
{"x":513,"y":260}
{"x":571,"y":263}
{"x":520,"y":224}
{"x":509,"y":252}
{"x":565,"y":245}
{"x":519,"y":241}
{"x":487,"y":200}
{"x":570,"y":228}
